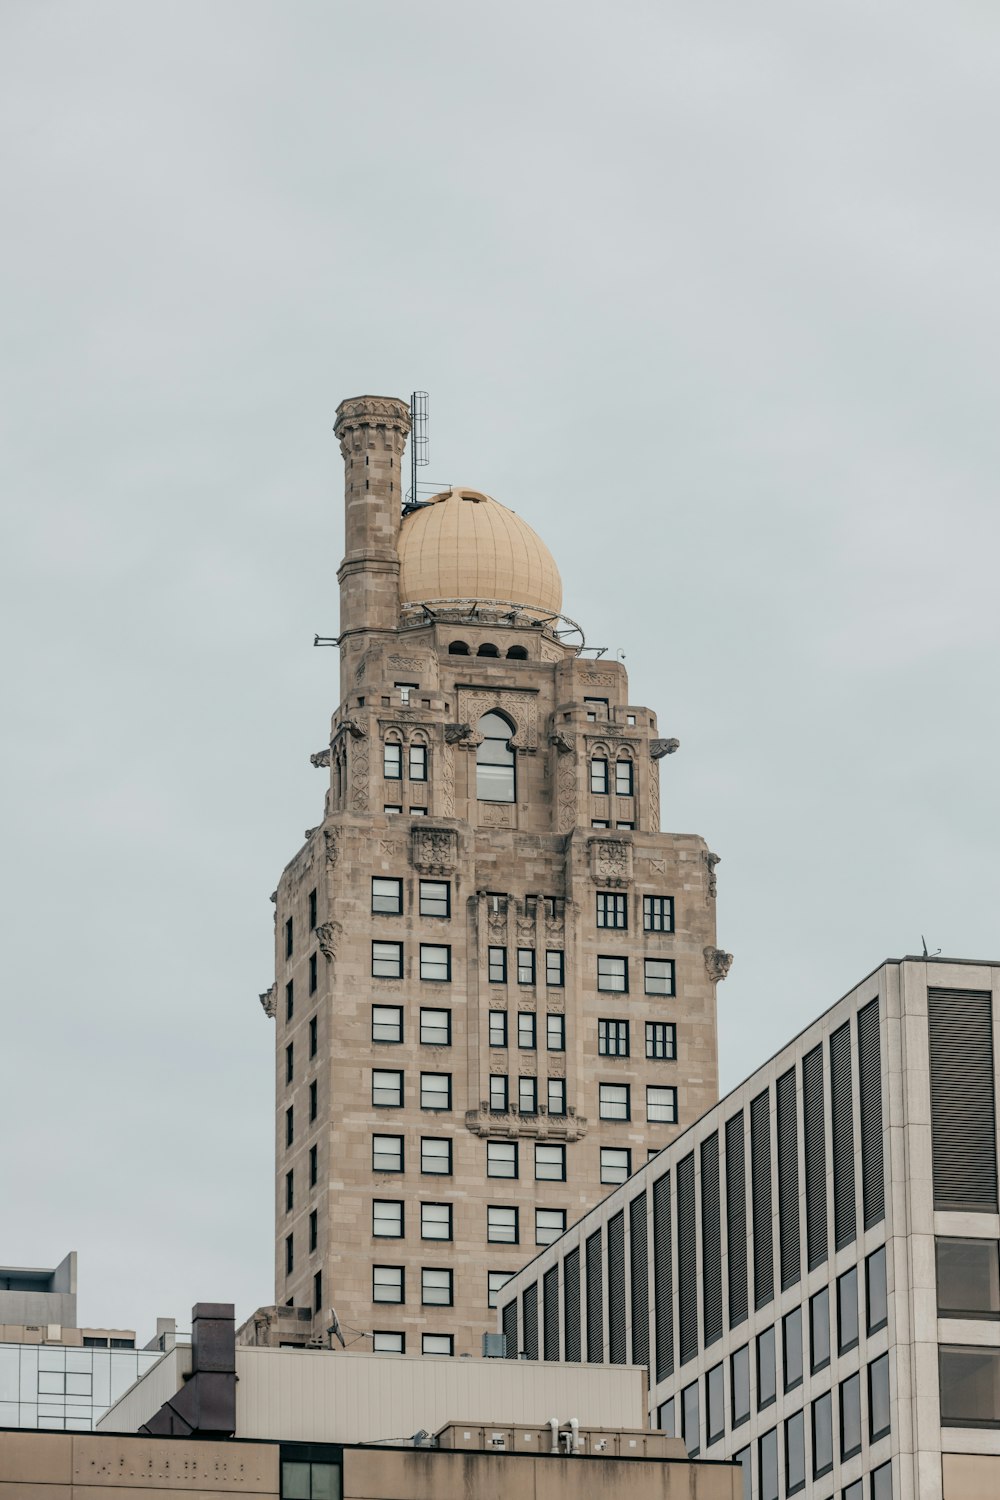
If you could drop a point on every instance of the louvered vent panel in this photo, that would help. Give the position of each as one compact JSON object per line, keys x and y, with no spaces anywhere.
{"x":760,"y":1200}
{"x":841,"y":1107}
{"x":663,"y":1278}
{"x":571,"y":1306}
{"x":510,"y":1329}
{"x":736,"y":1220}
{"x":814,"y":1147}
{"x":687,"y":1267}
{"x":639,"y":1279}
{"x":550,"y":1313}
{"x":617,"y":1353}
{"x":963,"y":1111}
{"x":529,"y":1315}
{"x":789,"y":1253}
{"x":870,"y":1099}
{"x":711,"y":1241}
{"x":595,"y":1301}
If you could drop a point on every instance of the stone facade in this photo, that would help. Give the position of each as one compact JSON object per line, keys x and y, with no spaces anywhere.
{"x":468,"y":878}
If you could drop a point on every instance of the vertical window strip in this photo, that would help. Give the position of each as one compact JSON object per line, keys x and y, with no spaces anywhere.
{"x":639,"y":1279}
{"x":529,"y":1315}
{"x":663,"y":1278}
{"x":509,"y":1321}
{"x":711,"y":1241}
{"x":687,"y":1266}
{"x":736,"y":1220}
{"x":789,"y":1254}
{"x":550,"y":1313}
{"x":617,"y":1352}
{"x":870,"y":1100}
{"x":963,"y":1110}
{"x":760,"y":1197}
{"x":842,"y":1111}
{"x":571,"y":1306}
{"x":595,"y":1301}
{"x":814,"y":1146}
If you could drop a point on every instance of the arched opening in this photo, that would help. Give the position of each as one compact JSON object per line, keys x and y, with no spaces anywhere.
{"x":458,"y":648}
{"x":487,"y":649}
{"x":517,"y":653}
{"x":495,"y":759}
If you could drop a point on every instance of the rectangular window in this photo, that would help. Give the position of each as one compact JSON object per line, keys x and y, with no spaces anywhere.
{"x":387,"y":1219}
{"x":715,"y":1405}
{"x":612,"y":1038}
{"x":435,"y":1091}
{"x":495,"y":1283}
{"x":658,"y":913}
{"x":690,"y":1419}
{"x":599,"y":777}
{"x":556,"y":1092}
{"x":767,"y":1460}
{"x":313,"y":974}
{"x":550,"y":1163}
{"x":599,"y":823}
{"x":435,"y":1157}
{"x":289,"y":1192}
{"x":387,"y":1153}
{"x":313,"y":1036}
{"x":876,"y":1296}
{"x":289,"y":1062}
{"x":624,"y":778}
{"x":435,"y":1027}
{"x":550,"y":1223}
{"x":435,"y":962}
{"x":387,"y":1023}
{"x":437,"y":1343}
{"x":289,"y":1000}
{"x":387,"y":960}
{"x":289,"y":1125}
{"x":392,"y":809}
{"x":388,"y":1343}
{"x":497,"y":965}
{"x":739,"y":1376}
{"x":615,"y":1103}
{"x":289,"y":1255}
{"x":498,"y":1028}
{"x":418,"y":812}
{"x":970,"y":1385}
{"x":665,"y":1417}
{"x":289,"y":942}
{"x":822,"y":1434}
{"x":392,"y":761}
{"x":968,"y":1278}
{"x":435,"y":1287}
{"x":313,"y":1165}
{"x":766,"y":1375}
{"x":313,"y":1231}
{"x":616,"y":1164}
{"x":555,"y":968}
{"x":625,"y":825}
{"x":661,"y":1106}
{"x":850,"y":1417}
{"x":313,"y":1100}
{"x":526,"y":1038}
{"x":819,"y":1330}
{"x":555,"y":1032}
{"x":612,"y":909}
{"x":847,"y":1310}
{"x":659,"y":976}
{"x":313,"y":909}
{"x":435,"y":1221}
{"x":387,"y":1284}
{"x":435,"y":898}
{"x":418,"y":762}
{"x":499,"y":1097}
{"x":795,"y":1454}
{"x":387,"y":1088}
{"x":525,"y":965}
{"x":527,"y":1096}
{"x":661,"y":1040}
{"x":597,"y":708}
{"x":878,"y":1398}
{"x":501,"y":1225}
{"x":501,"y":1158}
{"x":791,"y":1348}
{"x":612,"y":975}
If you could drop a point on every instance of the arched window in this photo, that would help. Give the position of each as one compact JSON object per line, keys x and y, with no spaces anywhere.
{"x":495,"y":760}
{"x":517,"y":653}
{"x":487,"y":649}
{"x":458,"y":648}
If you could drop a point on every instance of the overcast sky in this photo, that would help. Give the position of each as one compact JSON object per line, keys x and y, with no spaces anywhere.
{"x":708,"y":293}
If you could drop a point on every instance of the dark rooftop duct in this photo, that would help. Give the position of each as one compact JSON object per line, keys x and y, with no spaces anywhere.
{"x":205,"y":1406}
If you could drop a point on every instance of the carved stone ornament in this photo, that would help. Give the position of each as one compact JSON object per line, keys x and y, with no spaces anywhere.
{"x":269,"y":1002}
{"x":457,"y":734}
{"x":659,"y":748}
{"x":718,"y":963}
{"x":407,"y":663}
{"x":308,"y":833}
{"x":330,"y":840}
{"x":521,"y":707}
{"x":483,"y":1121}
{"x":496,"y":814}
{"x":611,"y":861}
{"x":321,"y":758}
{"x":711,"y":861}
{"x":358,"y":731}
{"x":357,"y":770}
{"x":434,"y":851}
{"x":561,"y":742}
{"x":273,"y":898}
{"x":327,"y":934}
{"x":446,"y":773}
{"x":598,"y":677}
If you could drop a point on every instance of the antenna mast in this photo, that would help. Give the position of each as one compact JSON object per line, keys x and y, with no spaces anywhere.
{"x":418,"y":442}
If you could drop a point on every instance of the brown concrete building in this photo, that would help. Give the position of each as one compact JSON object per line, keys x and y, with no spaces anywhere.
{"x":495,"y":977}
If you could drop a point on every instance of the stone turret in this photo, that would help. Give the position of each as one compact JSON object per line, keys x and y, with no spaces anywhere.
{"x":372,"y":432}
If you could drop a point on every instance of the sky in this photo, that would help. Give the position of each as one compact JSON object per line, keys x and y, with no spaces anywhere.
{"x":707,"y":293}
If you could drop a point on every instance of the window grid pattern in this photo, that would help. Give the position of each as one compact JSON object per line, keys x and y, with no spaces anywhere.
{"x":687,"y":1267}
{"x":595,"y":1300}
{"x":814,"y":1149}
{"x":870,"y":1099}
{"x":842,"y":1111}
{"x":736,"y":1220}
{"x":711,"y":1241}
{"x":788,"y":1180}
{"x":617,"y":1352}
{"x":760,"y":1190}
{"x":639,"y":1279}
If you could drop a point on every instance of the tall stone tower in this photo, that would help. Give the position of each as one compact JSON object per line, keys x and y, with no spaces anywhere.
{"x":495,"y":976}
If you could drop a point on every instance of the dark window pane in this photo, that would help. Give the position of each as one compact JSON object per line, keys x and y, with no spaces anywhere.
{"x":876,"y":1299}
{"x":968,"y":1278}
{"x":791,"y":1348}
{"x":768,"y":1461}
{"x":850,"y":1416}
{"x":819,"y":1329}
{"x":882,"y":1483}
{"x":795,"y":1453}
{"x":822,"y":1434}
{"x":739,"y":1375}
{"x":766,"y":1385}
{"x":665,"y":1417}
{"x":743,"y":1459}
{"x":878,"y":1398}
{"x":715,"y":1404}
{"x":690,"y":1419}
{"x":847,"y":1310}
{"x":970,"y":1386}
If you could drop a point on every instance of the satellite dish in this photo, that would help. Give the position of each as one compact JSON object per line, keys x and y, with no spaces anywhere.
{"x":334,"y":1329}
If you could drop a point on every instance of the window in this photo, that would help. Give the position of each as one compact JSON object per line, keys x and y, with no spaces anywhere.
{"x":795,"y":1453}
{"x":418,"y":812}
{"x":499,"y":1098}
{"x":555,"y":968}
{"x":418,"y":762}
{"x":661,"y":1106}
{"x":435,"y":1221}
{"x":289,"y":1062}
{"x":437,"y":1343}
{"x":387,"y":1284}
{"x":876,"y":1296}
{"x":715,"y":1405}
{"x":289,"y":1125}
{"x":624,"y":778}
{"x":387,"y":960}
{"x":517,"y":653}
{"x":615,"y":1103}
{"x":658,"y":913}
{"x":458,"y":648}
{"x":387,"y":1023}
{"x":968,"y":1278}
{"x":495,"y":760}
{"x":624,"y":825}
{"x":599,"y":823}
{"x":527,"y":1096}
{"x":501,"y":1225}
{"x":488,"y":649}
{"x":690,"y":1419}
{"x":855,"y":1491}
{"x":555,"y":1032}
{"x":388,"y":1343}
{"x":659,"y":976}
{"x":387,"y":1088}
{"x":599,"y":777}
{"x":435,"y":1027}
{"x":550,"y":1163}
{"x":822,"y":1434}
{"x":289,"y":999}
{"x":313,"y":909}
{"x":495,"y":1283}
{"x":387,"y":1219}
{"x":289,"y":1192}
{"x":435,"y":1091}
{"x":970,"y":1385}
{"x":317,"y":1288}
{"x":739,"y":1376}
{"x":435,"y":1157}
{"x":616,"y":1164}
{"x":878,"y":1398}
{"x":612,"y":909}
{"x":850,"y":1416}
{"x":498,"y":1028}
{"x":766,"y":1385}
{"x":743,"y":1458}
{"x":847,"y":1310}
{"x":289,"y":1255}
{"x":387,"y":1153}
{"x":501,"y":1158}
{"x":612,"y":1038}
{"x":597,"y":709}
{"x":550,"y":1223}
{"x":661,"y":1040}
{"x":392,"y":808}
{"x":435,"y":962}
{"x":612,"y":974}
{"x":497,"y":966}
{"x":392,"y":761}
{"x":526,"y":1030}
{"x":882,"y":1482}
{"x":289,"y":943}
{"x":556,"y":1093}
{"x":525,"y":965}
{"x":313,"y":1165}
{"x":313,"y":1099}
{"x":387,"y":897}
{"x":313,"y":974}
{"x":665,"y":1417}
{"x":791,"y":1349}
{"x":819,"y":1330}
{"x":767,"y":1460}
{"x":435,"y":898}
{"x":313,"y":1036}
{"x":435,"y":1287}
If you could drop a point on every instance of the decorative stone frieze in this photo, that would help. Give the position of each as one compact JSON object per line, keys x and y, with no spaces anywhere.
{"x":541,"y":1127}
{"x":522,"y":708}
{"x":434,"y":851}
{"x":611,"y":861}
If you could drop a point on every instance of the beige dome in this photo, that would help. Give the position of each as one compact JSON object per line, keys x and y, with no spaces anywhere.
{"x":465,"y":545}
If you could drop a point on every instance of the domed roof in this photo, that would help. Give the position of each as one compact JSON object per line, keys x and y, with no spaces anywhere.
{"x":465,"y":545}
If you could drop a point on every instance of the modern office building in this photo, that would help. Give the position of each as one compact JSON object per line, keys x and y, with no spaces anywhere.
{"x":495,"y":976}
{"x":810,"y":1270}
